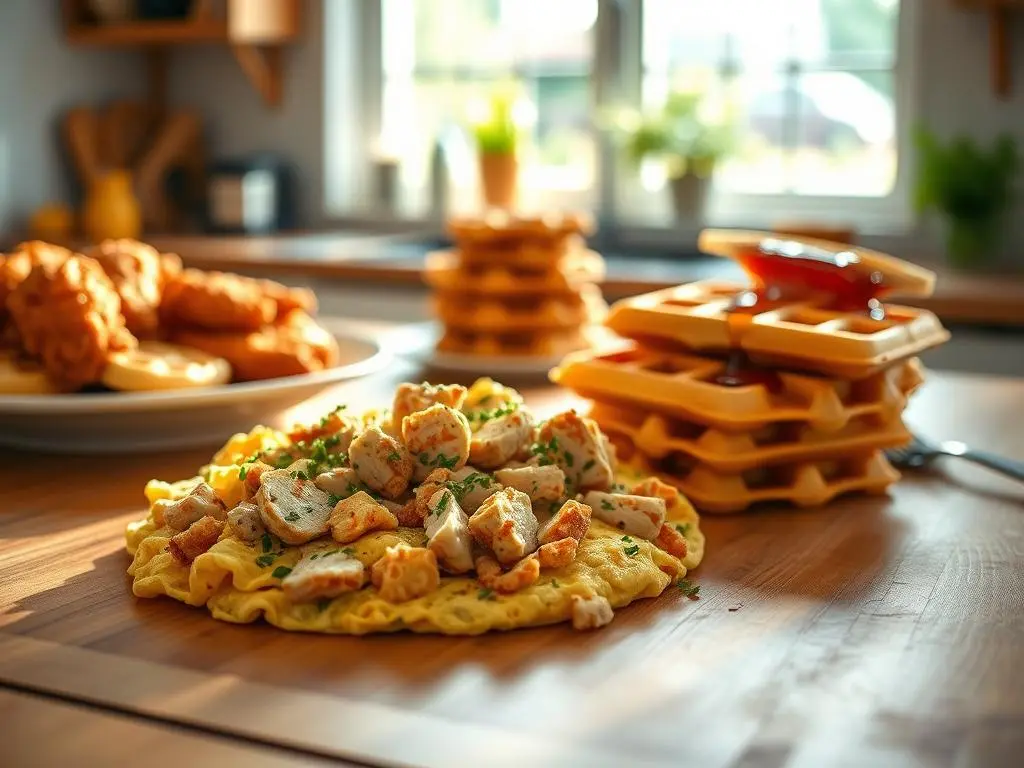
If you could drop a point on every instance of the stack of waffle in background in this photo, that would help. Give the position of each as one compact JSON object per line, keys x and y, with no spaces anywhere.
{"x":516,"y":287}
{"x":741,"y":396}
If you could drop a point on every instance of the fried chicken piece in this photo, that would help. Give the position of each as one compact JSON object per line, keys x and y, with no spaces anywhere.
{"x":16,"y":266}
{"x":216,"y":301}
{"x":196,"y":539}
{"x":137,"y":271}
{"x":295,"y":346}
{"x":288,"y":299}
{"x":69,"y":315}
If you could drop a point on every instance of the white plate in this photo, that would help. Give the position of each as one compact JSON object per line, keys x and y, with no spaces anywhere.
{"x":119,"y":422}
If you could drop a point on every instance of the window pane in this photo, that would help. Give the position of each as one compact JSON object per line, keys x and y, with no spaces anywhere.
{"x":441,"y":55}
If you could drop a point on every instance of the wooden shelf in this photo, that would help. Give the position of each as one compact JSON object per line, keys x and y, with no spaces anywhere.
{"x":146,"y":33}
{"x":999,"y":39}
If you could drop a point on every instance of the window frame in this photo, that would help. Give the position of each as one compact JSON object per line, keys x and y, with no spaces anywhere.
{"x":353,"y":119}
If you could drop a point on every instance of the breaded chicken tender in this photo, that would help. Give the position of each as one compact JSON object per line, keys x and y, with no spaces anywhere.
{"x":137,"y":271}
{"x":216,"y":301}
{"x":16,"y":265}
{"x":69,"y":316}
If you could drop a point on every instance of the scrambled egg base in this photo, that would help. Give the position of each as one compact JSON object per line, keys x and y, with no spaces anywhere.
{"x":235,"y":580}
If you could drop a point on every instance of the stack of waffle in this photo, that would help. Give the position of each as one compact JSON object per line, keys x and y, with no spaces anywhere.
{"x":516,"y":287}
{"x":766,"y":400}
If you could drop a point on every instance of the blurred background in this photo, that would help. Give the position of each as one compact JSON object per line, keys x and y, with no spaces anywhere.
{"x":325,"y":142}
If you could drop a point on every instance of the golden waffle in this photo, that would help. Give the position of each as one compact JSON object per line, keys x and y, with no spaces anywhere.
{"x":445,"y":273}
{"x":900,"y":277}
{"x":512,"y":314}
{"x":498,"y":226}
{"x":803,"y":484}
{"x":508,"y":344}
{"x":686,"y":386}
{"x":665,"y":437}
{"x":697,"y":316}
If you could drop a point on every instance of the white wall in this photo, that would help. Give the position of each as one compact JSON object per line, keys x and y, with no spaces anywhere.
{"x":954,"y":94}
{"x":39,"y":78}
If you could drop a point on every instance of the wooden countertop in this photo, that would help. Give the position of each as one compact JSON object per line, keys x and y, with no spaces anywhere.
{"x":876,"y":631}
{"x":996,"y":299}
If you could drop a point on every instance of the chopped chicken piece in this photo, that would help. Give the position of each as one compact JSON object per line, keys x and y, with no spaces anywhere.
{"x":323,"y":573}
{"x":405,"y":573}
{"x":410,"y":398}
{"x":381,"y":462}
{"x":293,"y":509}
{"x":472,"y":487}
{"x":611,"y":453}
{"x":505,"y":523}
{"x":570,"y":521}
{"x":486,"y":395}
{"x":202,"y":501}
{"x":539,"y":483}
{"x":438,"y":437}
{"x":360,"y":514}
{"x":245,"y":521}
{"x":196,"y":539}
{"x":576,"y":445}
{"x":653,"y":486}
{"x":558,"y":554}
{"x":392,"y":506}
{"x":341,"y":481}
{"x":519,"y":576}
{"x":448,"y":536}
{"x":501,"y":438}
{"x":487,"y":570}
{"x":636,"y":515}
{"x":671,"y":540}
{"x":591,"y":612}
{"x":251,"y":474}
{"x":336,"y":426}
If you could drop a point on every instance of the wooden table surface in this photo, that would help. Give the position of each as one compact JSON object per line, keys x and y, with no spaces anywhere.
{"x":876,"y":631}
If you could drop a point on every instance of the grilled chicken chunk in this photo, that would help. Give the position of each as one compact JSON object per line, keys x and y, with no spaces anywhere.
{"x":577,"y":447}
{"x":201,"y":502}
{"x":437,"y":436}
{"x":557,"y":554}
{"x":505,"y":524}
{"x":448,"y":536}
{"x":251,"y":474}
{"x":636,"y":515}
{"x":323,"y":573}
{"x":342,"y":481}
{"x":293,"y":509}
{"x":381,"y":462}
{"x":671,"y":540}
{"x":405,"y":573}
{"x":520,"y":576}
{"x":196,"y":539}
{"x":539,"y":483}
{"x":472,"y":487}
{"x":360,"y":514}
{"x":488,"y":395}
{"x":571,"y":521}
{"x":501,"y":438}
{"x":410,"y":398}
{"x":245,"y":521}
{"x":591,"y":612}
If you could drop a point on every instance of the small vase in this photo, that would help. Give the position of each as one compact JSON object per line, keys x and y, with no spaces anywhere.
{"x":971,"y":243}
{"x":499,"y":176}
{"x":689,"y":196}
{"x":111,"y":210}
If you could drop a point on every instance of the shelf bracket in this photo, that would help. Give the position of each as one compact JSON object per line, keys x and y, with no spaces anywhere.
{"x":262,"y":65}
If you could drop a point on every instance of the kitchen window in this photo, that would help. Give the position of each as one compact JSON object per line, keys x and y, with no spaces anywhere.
{"x":818,"y":90}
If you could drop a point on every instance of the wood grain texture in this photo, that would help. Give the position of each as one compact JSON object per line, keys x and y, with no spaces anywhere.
{"x":872,"y":632}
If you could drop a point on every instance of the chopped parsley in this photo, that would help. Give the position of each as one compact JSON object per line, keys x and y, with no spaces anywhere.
{"x":569,"y":459}
{"x":627,"y":539}
{"x":485,"y":594}
{"x":282,"y":461}
{"x":323,"y":603}
{"x":268,"y":543}
{"x":589,"y":465}
{"x":445,"y":462}
{"x":327,"y":417}
{"x":555,"y":584}
{"x":394,"y":456}
{"x":494,"y":413}
{"x":632,"y":550}
{"x":682,"y":528}
{"x":442,"y":504}
{"x":299,"y":474}
{"x":242,"y":472}
{"x":293,"y":516}
{"x":546,"y":451}
{"x":688,"y":588}
{"x":347,"y":551}
{"x":462,"y":487}
{"x":607,"y":505}
{"x":333,"y":499}
{"x":281,"y":571}
{"x":266,"y":559}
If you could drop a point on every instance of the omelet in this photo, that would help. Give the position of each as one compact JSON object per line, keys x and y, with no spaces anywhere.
{"x":327,"y":528}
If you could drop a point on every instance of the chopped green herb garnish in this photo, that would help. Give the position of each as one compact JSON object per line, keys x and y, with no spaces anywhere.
{"x":683,"y":528}
{"x":282,"y":461}
{"x":333,"y":499}
{"x":442,"y":504}
{"x":264,"y":560}
{"x":607,"y":505}
{"x":496,"y":413}
{"x":292,"y":516}
{"x":326,"y":419}
{"x":555,"y":584}
{"x":462,"y":487}
{"x":281,"y":571}
{"x":627,"y":539}
{"x":445,"y":462}
{"x":485,"y":594}
{"x":589,"y":465}
{"x":546,"y":451}
{"x":298,"y":474}
{"x":242,"y":472}
{"x":323,"y":603}
{"x":347,"y":551}
{"x":569,"y":459}
{"x":394,"y":456}
{"x":688,"y":588}
{"x":268,"y":543}
{"x":631,"y":550}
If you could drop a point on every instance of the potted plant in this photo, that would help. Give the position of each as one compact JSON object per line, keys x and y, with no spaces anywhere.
{"x":687,"y":139}
{"x":496,"y":126}
{"x":971,"y":187}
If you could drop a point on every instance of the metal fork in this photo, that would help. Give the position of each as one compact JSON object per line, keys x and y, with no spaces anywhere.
{"x":920,"y":453}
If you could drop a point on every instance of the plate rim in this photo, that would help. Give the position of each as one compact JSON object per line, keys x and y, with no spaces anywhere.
{"x":188,"y":397}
